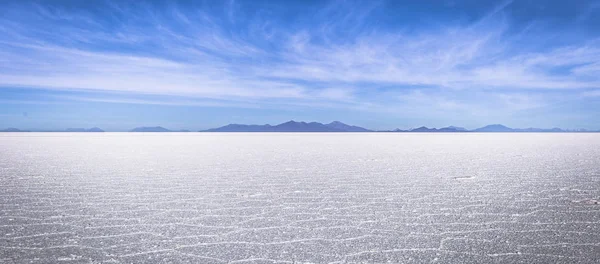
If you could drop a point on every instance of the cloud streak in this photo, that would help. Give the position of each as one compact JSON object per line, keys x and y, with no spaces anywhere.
{"x":252,"y":56}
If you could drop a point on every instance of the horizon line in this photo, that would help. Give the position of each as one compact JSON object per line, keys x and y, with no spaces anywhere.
{"x":412,"y":129}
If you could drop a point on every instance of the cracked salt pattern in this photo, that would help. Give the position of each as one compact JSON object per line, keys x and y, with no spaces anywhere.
{"x":296,"y":198}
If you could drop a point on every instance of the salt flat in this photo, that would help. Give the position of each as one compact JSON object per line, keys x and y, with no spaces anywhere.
{"x":296,"y":198}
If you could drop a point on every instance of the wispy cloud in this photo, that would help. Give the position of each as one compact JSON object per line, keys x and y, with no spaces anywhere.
{"x":339,"y":57}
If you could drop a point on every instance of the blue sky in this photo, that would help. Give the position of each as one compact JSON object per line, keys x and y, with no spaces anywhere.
{"x":378,"y":64}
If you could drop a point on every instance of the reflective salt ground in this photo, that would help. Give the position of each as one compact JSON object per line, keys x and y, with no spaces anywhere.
{"x":295,"y":198}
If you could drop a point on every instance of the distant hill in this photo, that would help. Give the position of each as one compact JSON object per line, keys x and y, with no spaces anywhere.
{"x":395,"y":130}
{"x":432,"y":130}
{"x":532,"y":129}
{"x":485,"y":129}
{"x":456,"y":128}
{"x":502,"y":128}
{"x":452,"y":129}
{"x":423,"y":129}
{"x":335,"y":126}
{"x":150,"y":129}
{"x":93,"y":129}
{"x":494,"y":128}
{"x":12,"y":129}
{"x":291,"y":126}
{"x":348,"y":128}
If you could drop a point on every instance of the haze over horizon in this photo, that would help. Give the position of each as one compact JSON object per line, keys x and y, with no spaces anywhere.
{"x":376,"y":64}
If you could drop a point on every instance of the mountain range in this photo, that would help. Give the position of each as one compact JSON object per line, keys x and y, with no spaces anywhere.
{"x":290,"y":126}
{"x":502,"y":128}
{"x":335,"y":126}
{"x":426,"y":129}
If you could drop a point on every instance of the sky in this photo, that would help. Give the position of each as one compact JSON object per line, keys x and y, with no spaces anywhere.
{"x":378,"y":64}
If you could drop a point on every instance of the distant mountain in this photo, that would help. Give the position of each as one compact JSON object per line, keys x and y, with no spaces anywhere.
{"x":335,"y":126}
{"x":532,"y":129}
{"x":426,"y":129}
{"x":291,"y":126}
{"x":502,"y":128}
{"x":494,"y":128}
{"x":12,"y":129}
{"x":488,"y":128}
{"x":423,"y":129}
{"x":150,"y":129}
{"x":348,"y":128}
{"x":456,"y":128}
{"x":93,"y":129}
{"x":452,"y":129}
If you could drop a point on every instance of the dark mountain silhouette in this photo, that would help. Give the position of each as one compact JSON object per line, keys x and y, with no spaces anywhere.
{"x":337,"y":126}
{"x":457,"y":128}
{"x":12,"y":129}
{"x":150,"y":129}
{"x":533,"y":129}
{"x":452,"y":129}
{"x":348,"y":128}
{"x":494,"y":128}
{"x":502,"y":128}
{"x":93,"y":129}
{"x":426,"y":129}
{"x":423,"y":129}
{"x":290,"y":126}
{"x":293,"y":126}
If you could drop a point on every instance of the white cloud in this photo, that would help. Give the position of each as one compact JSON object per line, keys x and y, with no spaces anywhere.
{"x":191,"y":53}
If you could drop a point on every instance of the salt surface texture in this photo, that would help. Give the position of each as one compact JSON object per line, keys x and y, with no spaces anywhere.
{"x":318,"y":198}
